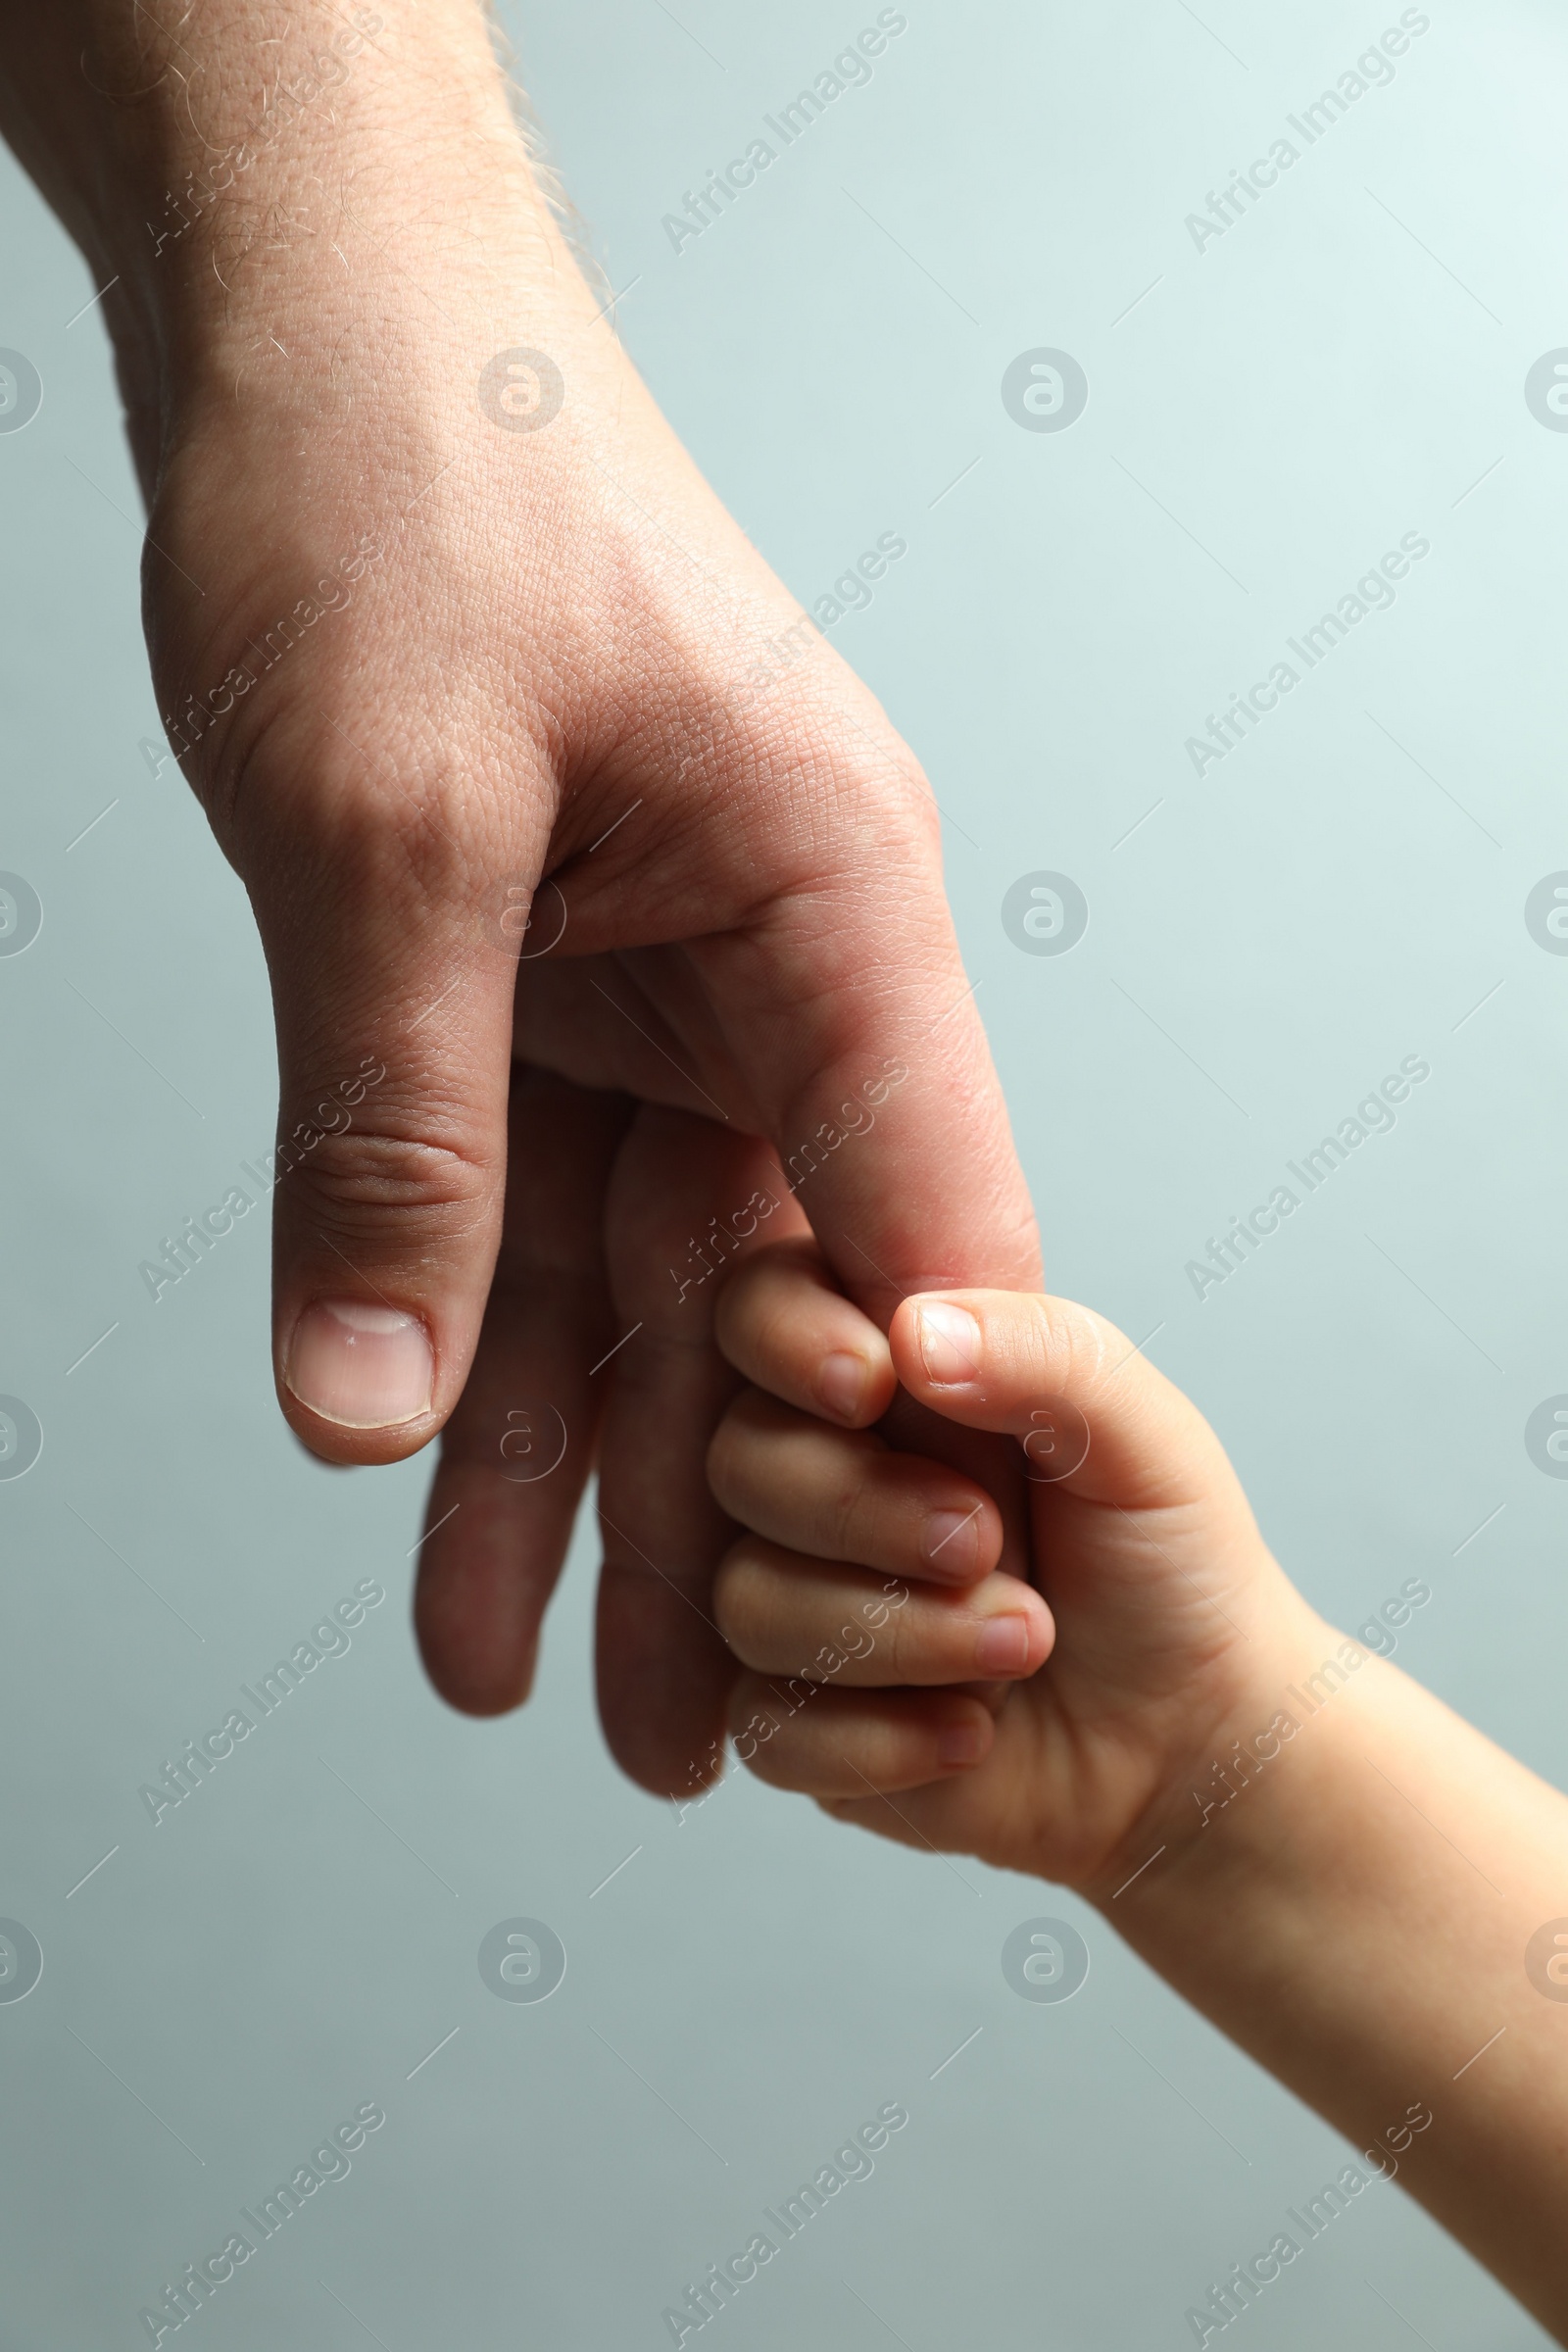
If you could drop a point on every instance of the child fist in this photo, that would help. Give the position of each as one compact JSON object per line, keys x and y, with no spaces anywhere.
{"x":907,"y":1668}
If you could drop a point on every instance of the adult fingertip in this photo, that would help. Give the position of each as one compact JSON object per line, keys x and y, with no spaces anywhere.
{"x":360,"y":1365}
{"x":486,"y":1692}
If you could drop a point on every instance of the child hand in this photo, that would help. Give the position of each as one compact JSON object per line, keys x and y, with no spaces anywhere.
{"x":1363,"y":1943}
{"x":903,"y":1678}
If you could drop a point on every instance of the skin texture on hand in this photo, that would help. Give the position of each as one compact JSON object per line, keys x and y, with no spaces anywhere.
{"x":441,"y":618}
{"x":1151,"y":1613}
{"x":1353,"y":1884}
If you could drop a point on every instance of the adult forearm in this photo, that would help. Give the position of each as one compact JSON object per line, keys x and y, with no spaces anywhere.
{"x":238,"y":170}
{"x":1355,"y":1911}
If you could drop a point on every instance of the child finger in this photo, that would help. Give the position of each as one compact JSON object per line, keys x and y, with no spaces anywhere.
{"x":783,"y":1321}
{"x":820,"y":1621}
{"x":844,"y":1743}
{"x":1091,"y":1413}
{"x":841,"y":1494}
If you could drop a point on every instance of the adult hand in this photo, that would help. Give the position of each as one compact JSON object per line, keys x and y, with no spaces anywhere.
{"x":440,"y":612}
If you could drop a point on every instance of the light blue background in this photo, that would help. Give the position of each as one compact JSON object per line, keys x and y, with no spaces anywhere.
{"x":1343,"y":367}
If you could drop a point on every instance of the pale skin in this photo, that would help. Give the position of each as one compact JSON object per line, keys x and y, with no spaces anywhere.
{"x":529,"y":648}
{"x":1356,"y":1913}
{"x":564,"y":658}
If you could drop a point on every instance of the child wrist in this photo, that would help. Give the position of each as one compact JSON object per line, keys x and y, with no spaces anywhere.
{"x":1222,"y":1834}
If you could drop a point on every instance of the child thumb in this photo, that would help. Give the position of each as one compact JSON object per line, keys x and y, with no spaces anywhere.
{"x":1092,"y":1414}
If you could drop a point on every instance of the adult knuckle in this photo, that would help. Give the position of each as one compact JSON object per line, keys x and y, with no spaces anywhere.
{"x":357,"y":1179}
{"x":307,"y":810}
{"x":884,"y":807}
{"x":855,"y":791}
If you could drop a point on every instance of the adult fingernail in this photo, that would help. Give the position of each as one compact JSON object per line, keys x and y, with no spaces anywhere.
{"x":1002,"y":1645}
{"x":952,"y":1537}
{"x":841,"y":1384}
{"x":362,"y":1366}
{"x":961,"y":1742}
{"x":949,"y":1341}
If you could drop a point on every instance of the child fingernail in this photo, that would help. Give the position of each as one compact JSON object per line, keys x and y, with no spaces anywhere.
{"x":1002,"y":1645}
{"x":951,"y":1538}
{"x":961,"y":1742}
{"x":841,"y":1384}
{"x":949,"y":1339}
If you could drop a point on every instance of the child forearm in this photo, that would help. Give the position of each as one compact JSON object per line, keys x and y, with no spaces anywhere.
{"x":1358,"y":1886}
{"x":1373,"y":1911}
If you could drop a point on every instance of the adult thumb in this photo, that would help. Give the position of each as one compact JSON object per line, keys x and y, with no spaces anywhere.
{"x":393,"y":1002}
